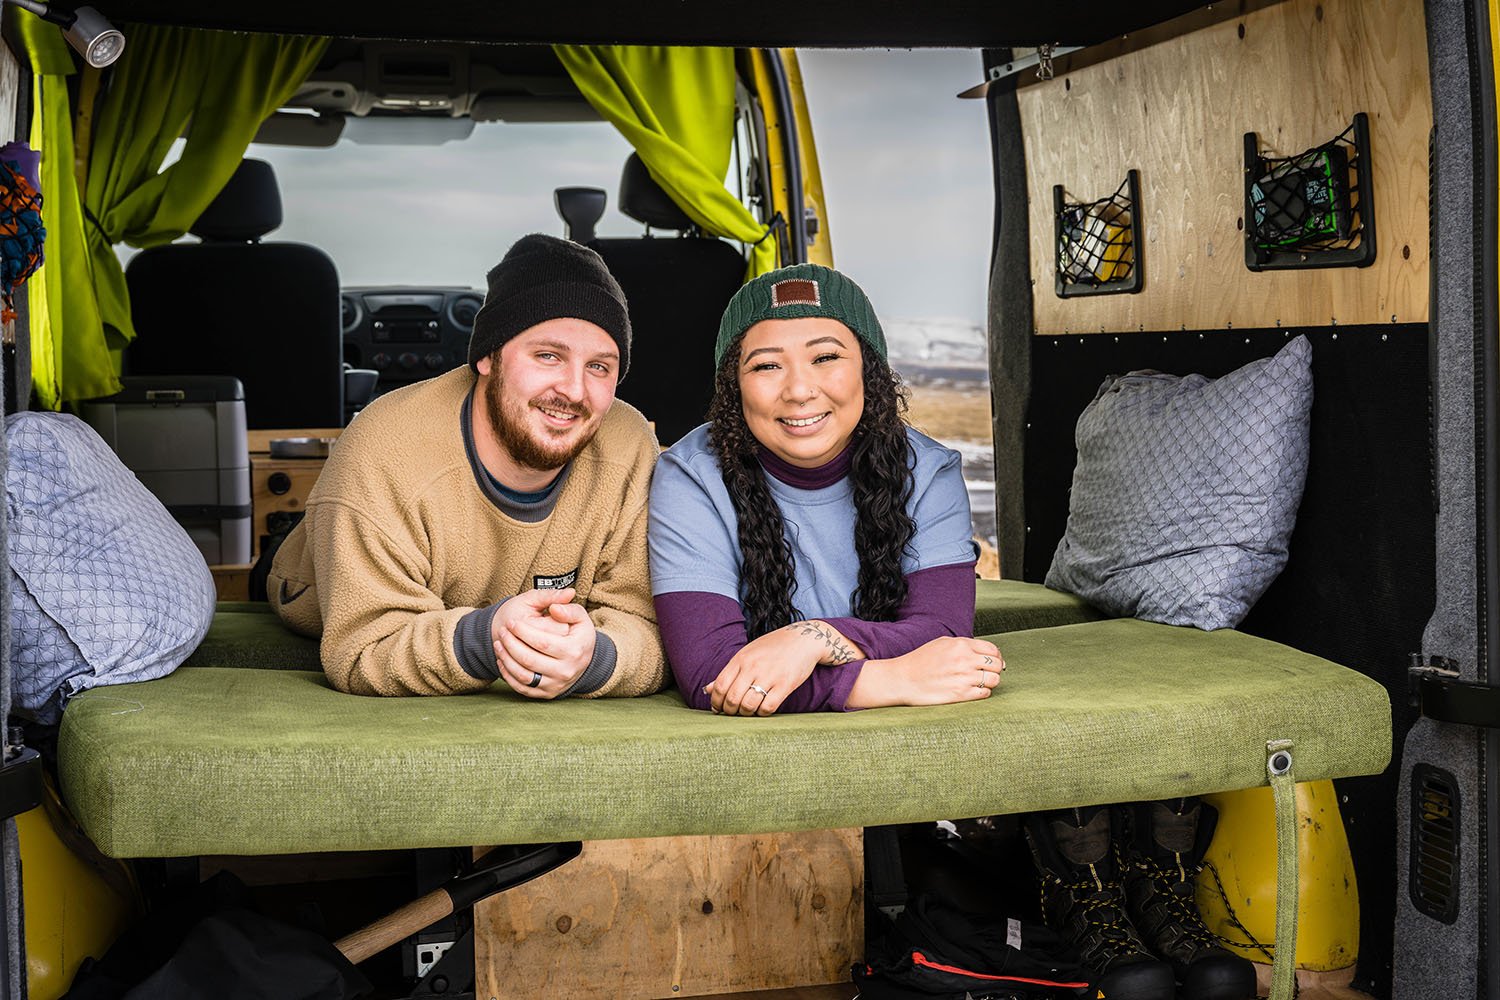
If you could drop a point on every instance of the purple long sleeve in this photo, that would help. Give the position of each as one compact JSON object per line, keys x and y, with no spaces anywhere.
{"x":939,"y":601}
{"x":701,"y":632}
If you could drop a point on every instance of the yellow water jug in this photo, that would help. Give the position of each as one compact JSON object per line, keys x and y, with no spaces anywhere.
{"x":76,"y":901}
{"x":1244,"y":856}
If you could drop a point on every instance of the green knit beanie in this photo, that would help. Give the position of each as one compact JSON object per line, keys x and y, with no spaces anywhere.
{"x":794,"y":293}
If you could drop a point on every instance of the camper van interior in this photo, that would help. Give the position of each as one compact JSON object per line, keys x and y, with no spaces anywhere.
{"x":1182,"y":191}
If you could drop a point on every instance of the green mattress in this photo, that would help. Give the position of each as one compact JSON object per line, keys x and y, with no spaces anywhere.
{"x":248,"y":634}
{"x":210,"y":761}
{"x":1010,"y":606}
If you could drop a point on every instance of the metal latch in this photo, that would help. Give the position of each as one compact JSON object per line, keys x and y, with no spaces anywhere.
{"x":1438,"y":694}
{"x":20,"y":777}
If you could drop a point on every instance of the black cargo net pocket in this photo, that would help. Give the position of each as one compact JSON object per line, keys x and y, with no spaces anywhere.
{"x":1098,"y":242}
{"x":1310,"y":210}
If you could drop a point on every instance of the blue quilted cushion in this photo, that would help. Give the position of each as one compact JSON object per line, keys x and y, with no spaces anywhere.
{"x":104,"y":586}
{"x":1186,"y":491}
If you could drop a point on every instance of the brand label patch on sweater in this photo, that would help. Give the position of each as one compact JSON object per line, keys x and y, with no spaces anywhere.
{"x":795,"y":292}
{"x":559,"y":582}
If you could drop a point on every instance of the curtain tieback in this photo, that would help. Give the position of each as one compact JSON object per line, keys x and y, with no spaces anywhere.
{"x":776,"y":225}
{"x":89,"y":215}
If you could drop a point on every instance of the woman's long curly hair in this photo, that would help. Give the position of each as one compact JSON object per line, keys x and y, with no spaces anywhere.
{"x":880,"y":472}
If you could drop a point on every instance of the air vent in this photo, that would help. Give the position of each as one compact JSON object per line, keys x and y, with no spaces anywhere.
{"x":1434,"y":843}
{"x":350,"y":313}
{"x":463,"y":309}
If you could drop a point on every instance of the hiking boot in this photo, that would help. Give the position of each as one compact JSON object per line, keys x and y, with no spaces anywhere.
{"x":1168,"y":841}
{"x":1083,"y":901}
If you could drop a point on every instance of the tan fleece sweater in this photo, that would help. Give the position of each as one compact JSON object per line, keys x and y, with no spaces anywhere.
{"x":405,"y":552}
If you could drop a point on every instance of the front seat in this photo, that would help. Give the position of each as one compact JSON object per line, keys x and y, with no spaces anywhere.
{"x":677,"y":288}
{"x":266,"y":313}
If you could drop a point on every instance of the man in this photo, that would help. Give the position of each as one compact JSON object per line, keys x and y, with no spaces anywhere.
{"x":490,"y":524}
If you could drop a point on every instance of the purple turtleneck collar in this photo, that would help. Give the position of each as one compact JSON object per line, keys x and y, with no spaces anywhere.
{"x":799,"y":478}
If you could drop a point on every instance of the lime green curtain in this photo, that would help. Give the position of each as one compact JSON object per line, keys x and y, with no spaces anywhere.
{"x":219,"y":86}
{"x":216,"y":86}
{"x":51,"y":307}
{"x":676,"y":107}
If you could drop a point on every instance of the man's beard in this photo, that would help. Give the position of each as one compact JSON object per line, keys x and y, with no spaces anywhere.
{"x":508,"y":421}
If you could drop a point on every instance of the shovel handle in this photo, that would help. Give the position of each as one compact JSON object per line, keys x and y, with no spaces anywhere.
{"x":374,"y":938}
{"x":502,"y":868}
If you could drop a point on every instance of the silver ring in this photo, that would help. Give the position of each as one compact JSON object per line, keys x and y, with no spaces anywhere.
{"x":759,"y":690}
{"x":536,"y":678}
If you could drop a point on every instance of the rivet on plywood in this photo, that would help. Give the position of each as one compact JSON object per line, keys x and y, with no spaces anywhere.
{"x":1178,"y":111}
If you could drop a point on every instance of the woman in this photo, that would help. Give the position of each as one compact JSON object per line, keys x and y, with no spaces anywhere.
{"x":809,"y":550}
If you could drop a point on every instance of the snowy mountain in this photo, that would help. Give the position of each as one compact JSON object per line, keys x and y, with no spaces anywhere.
{"x":950,"y":349}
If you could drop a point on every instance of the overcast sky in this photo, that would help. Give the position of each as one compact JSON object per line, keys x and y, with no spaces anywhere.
{"x":906,"y":169}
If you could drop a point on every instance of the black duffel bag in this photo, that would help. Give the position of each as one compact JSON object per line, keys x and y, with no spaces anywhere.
{"x":935,"y":950}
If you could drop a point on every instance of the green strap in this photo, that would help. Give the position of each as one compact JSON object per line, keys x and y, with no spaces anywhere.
{"x":1284,"y":794}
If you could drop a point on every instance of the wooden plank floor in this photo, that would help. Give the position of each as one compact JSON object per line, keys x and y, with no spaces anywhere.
{"x":836,"y":991}
{"x":1314,"y":985}
{"x":1311,"y":986}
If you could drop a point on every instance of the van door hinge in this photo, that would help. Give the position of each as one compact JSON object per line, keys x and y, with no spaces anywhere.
{"x":20,"y":776}
{"x":1438,"y":694}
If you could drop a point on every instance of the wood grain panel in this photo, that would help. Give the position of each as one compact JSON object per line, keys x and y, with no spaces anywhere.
{"x":679,"y":917}
{"x":232,"y":581}
{"x":1335,"y":985}
{"x":260,"y":440}
{"x":1294,"y":73}
{"x":838,"y":991}
{"x":301,"y":475}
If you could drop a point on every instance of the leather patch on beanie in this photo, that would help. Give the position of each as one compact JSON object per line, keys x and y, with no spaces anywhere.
{"x":795,"y":292}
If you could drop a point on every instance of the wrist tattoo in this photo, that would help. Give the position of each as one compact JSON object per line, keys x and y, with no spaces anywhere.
{"x":839,"y":651}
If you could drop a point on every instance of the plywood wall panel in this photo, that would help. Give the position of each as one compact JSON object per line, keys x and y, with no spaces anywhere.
{"x":679,"y":917}
{"x":1295,"y":73}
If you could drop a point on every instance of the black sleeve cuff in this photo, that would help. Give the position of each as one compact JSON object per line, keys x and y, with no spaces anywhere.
{"x":600,"y":669}
{"x":474,"y":645}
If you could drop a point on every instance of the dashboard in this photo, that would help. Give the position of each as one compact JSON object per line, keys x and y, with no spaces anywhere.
{"x":407,"y":334}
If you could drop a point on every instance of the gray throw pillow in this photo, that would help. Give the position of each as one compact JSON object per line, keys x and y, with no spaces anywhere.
{"x":1186,"y":491}
{"x":104,"y":586}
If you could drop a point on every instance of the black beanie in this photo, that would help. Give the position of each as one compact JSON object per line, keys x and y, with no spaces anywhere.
{"x":540,"y":278}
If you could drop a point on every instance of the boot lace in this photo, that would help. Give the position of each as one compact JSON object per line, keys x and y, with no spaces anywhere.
{"x":1099,"y":902}
{"x":1253,"y":944}
{"x":1180,"y":907}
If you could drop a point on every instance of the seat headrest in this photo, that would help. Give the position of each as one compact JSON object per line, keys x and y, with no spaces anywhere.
{"x":643,"y":200}
{"x":580,"y":208}
{"x":248,"y":208}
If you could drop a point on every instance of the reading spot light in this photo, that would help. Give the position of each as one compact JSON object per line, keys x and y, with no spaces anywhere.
{"x":99,"y":42}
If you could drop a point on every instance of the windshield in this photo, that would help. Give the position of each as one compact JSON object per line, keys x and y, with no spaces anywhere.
{"x":441,"y":214}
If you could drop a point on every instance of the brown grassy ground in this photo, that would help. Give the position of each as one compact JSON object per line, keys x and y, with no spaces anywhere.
{"x":988,"y":566}
{"x":951,"y":413}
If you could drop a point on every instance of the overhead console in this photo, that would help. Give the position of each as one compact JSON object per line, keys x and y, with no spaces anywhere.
{"x":407,"y":334}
